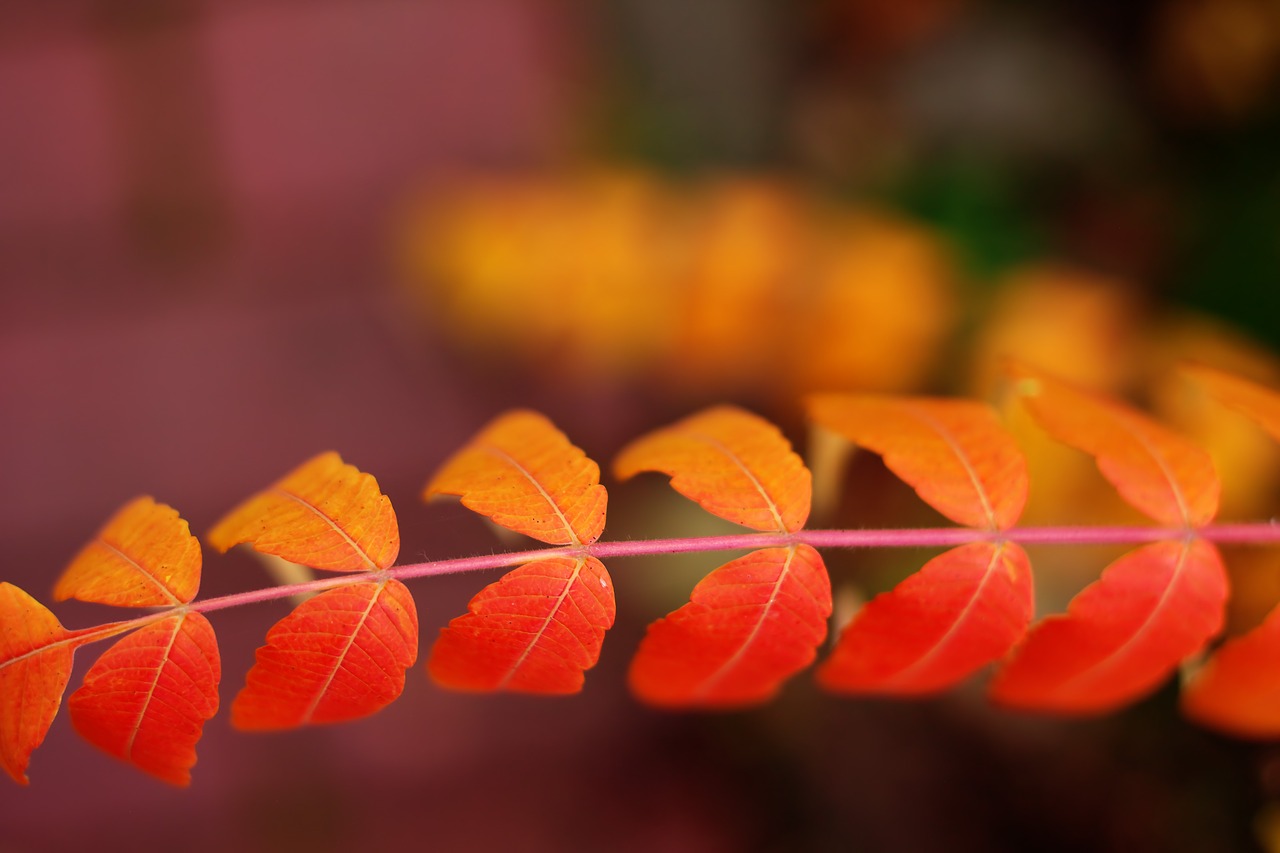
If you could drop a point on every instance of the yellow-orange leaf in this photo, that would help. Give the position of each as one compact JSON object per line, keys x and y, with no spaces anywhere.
{"x":35,"y":664}
{"x":1156,"y":470}
{"x":145,"y":556}
{"x":1256,"y":402}
{"x":325,"y":514}
{"x":954,"y":453}
{"x":524,"y":474}
{"x":733,"y":463}
{"x":146,"y":700}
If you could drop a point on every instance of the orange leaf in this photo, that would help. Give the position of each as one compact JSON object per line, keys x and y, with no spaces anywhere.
{"x":338,"y":656}
{"x":1256,"y":402}
{"x":733,"y":463}
{"x":1156,"y":470}
{"x":1122,"y":635}
{"x":749,"y":625}
{"x":536,"y":630}
{"x":964,"y":609}
{"x":524,"y":474}
{"x":1237,"y":691}
{"x":954,"y":453}
{"x":35,"y":665}
{"x":146,"y":699}
{"x":324,"y":514}
{"x":145,"y":556}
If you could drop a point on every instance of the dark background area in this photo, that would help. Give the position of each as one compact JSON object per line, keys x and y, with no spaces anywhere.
{"x":204,"y":209}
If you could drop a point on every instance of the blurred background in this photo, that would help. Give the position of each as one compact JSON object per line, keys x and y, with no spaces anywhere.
{"x":235,"y":234}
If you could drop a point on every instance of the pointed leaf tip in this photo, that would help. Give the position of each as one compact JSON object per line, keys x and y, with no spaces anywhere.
{"x":963,"y":610}
{"x":1159,"y":472}
{"x":1258,"y":403}
{"x":145,"y":556}
{"x":732,"y":463}
{"x":146,"y":699}
{"x":954,"y":453}
{"x":523,"y":473}
{"x":324,"y":514}
{"x":749,"y":626}
{"x":534,"y":631}
{"x":338,"y":656}
{"x":35,"y":664}
{"x":1122,"y":635}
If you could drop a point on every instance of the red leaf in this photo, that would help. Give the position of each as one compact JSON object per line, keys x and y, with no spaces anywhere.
{"x":536,"y":630}
{"x":146,"y":699}
{"x":954,"y":453}
{"x":1156,"y":470}
{"x":964,"y":609}
{"x":1237,"y":691}
{"x":324,"y":514}
{"x":35,"y":665}
{"x":524,"y":474}
{"x":1122,"y":635}
{"x":338,"y":656}
{"x":733,"y":463}
{"x":750,"y":625}
{"x":145,"y":556}
{"x":1256,"y":402}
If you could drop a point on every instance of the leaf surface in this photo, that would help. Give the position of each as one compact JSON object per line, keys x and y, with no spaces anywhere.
{"x":749,"y":625}
{"x":145,"y":556}
{"x":954,"y":453}
{"x":338,"y":656}
{"x":35,"y":664}
{"x":324,"y":514}
{"x":963,"y":610}
{"x":732,"y":463}
{"x":146,"y":699}
{"x":536,"y":630}
{"x":1256,"y":402}
{"x":1237,"y":691}
{"x":1122,"y":635}
{"x":524,"y":474}
{"x":1156,"y":470}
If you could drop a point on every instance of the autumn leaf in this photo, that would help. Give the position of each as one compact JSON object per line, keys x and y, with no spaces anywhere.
{"x":146,"y":699}
{"x":1157,"y":471}
{"x":145,"y":556}
{"x":963,"y":610}
{"x":524,"y":474}
{"x":749,"y":625}
{"x":732,"y":463}
{"x":35,"y":664}
{"x":954,"y":453}
{"x":325,"y":514}
{"x":1237,"y":690}
{"x":1122,"y":635}
{"x":1256,"y":402}
{"x":338,"y":656}
{"x":536,"y":630}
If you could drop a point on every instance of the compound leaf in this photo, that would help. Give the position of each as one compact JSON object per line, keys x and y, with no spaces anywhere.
{"x":524,"y":474}
{"x":963,"y":610}
{"x":734,"y":464}
{"x":536,"y":630}
{"x":749,"y":625}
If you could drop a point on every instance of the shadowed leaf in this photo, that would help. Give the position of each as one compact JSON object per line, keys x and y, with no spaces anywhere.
{"x":338,"y":656}
{"x":146,"y":699}
{"x":324,"y":514}
{"x":749,"y":626}
{"x":954,"y":453}
{"x":1156,"y":470}
{"x":35,"y":664}
{"x":734,"y":464}
{"x":1122,"y":635}
{"x":145,"y":556}
{"x":963,"y":610}
{"x":524,"y":474}
{"x":536,"y":630}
